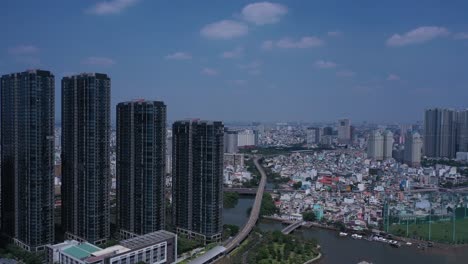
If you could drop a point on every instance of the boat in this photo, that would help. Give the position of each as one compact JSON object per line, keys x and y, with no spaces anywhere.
{"x":343,"y":234}
{"x":395,"y":245}
{"x":356,"y":236}
{"x":409,"y":243}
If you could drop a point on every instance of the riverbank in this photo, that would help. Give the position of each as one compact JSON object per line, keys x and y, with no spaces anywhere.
{"x":414,"y":242}
{"x":314,"y":259}
{"x":350,"y":250}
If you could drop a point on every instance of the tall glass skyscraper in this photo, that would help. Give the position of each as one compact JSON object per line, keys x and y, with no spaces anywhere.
{"x":27,"y":153}
{"x":85,"y":156}
{"x":141,"y":156}
{"x":197,"y":179}
{"x":440,"y":133}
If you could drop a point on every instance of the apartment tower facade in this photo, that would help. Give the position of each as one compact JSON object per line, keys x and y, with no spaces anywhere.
{"x":27,"y":155}
{"x":141,"y":157}
{"x":197,"y":183}
{"x":85,"y":157}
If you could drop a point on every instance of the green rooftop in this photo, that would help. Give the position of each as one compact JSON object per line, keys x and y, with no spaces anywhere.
{"x":81,"y":251}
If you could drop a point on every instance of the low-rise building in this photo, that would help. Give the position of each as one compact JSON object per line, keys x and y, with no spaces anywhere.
{"x":157,"y":248}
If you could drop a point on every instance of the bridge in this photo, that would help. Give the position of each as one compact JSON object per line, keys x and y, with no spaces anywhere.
{"x":287,"y":230}
{"x":242,"y":190}
{"x":254,"y":214}
{"x":254,"y":190}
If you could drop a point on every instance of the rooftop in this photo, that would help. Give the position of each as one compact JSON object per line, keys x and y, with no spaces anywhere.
{"x":81,"y":251}
{"x":209,"y":255}
{"x":147,"y":240}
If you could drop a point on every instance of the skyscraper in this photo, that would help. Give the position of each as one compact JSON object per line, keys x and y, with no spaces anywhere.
{"x":85,"y":156}
{"x":230,"y":141}
{"x":344,"y":131}
{"x":375,"y":143}
{"x":197,"y":183}
{"x":27,"y":154}
{"x":387,"y":144}
{"x":440,"y":133}
{"x":141,"y":155}
{"x":413,"y":149}
{"x":313,"y":135}
{"x":462,"y":131}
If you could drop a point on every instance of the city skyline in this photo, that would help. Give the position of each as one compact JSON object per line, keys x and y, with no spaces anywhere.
{"x":239,"y":54}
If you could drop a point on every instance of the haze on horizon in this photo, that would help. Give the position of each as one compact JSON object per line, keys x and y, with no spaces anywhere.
{"x":245,"y":60}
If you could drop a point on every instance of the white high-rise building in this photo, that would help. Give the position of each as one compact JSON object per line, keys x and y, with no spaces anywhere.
{"x":375,"y":149}
{"x":230,"y":141}
{"x":246,"y":138}
{"x":387,"y":145}
{"x":413,"y":149}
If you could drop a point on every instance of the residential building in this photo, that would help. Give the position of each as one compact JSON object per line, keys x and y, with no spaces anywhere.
{"x":440,"y":133}
{"x":328,"y":131}
{"x":141,"y":173}
{"x":313,"y":135}
{"x":234,"y":159}
{"x":387,"y":144}
{"x":197,"y":179}
{"x":462,"y":131}
{"x":27,"y":158}
{"x":85,"y":157}
{"x":344,"y":131}
{"x":230,"y":141}
{"x":375,"y":146}
{"x":413,"y":149}
{"x":247,"y":138}
{"x":153,"y":248}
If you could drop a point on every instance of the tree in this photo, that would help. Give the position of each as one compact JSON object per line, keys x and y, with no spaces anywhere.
{"x":268,"y":206}
{"x":297,"y":185}
{"x":230,"y":199}
{"x":232,"y":229}
{"x":309,"y":216}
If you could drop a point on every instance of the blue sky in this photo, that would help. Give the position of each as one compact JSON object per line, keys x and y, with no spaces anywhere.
{"x":236,"y":60}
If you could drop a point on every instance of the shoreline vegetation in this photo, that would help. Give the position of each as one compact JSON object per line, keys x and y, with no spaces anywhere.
{"x":230,"y":199}
{"x":275,"y":248}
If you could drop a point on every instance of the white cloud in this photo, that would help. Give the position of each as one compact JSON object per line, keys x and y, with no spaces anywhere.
{"x":98,"y":61}
{"x":321,"y":64}
{"x":238,"y":82}
{"x":232,"y":54}
{"x":304,"y":42}
{"x":345,"y":73}
{"x":393,"y":77}
{"x":263,"y":13}
{"x":253,"y":68}
{"x":334,"y":33}
{"x":209,"y":71}
{"x":224,"y":29}
{"x":23,"y":50}
{"x":418,"y":35}
{"x":179,"y":56}
{"x":461,"y":35}
{"x":268,"y":45}
{"x":111,"y":7}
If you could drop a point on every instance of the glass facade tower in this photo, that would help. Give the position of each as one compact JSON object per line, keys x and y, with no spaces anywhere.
{"x":85,"y":157}
{"x":141,"y":156}
{"x":197,"y":179}
{"x":27,"y":154}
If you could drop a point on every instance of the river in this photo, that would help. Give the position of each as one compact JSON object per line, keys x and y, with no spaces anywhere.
{"x":337,"y":250}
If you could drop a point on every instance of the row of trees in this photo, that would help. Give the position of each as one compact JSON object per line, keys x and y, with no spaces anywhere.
{"x":280,"y":248}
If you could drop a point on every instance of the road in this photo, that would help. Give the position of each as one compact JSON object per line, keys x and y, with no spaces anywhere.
{"x":254,"y":214}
